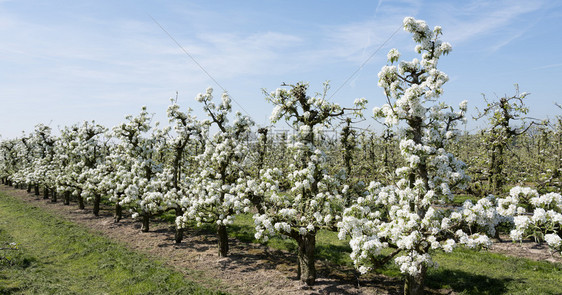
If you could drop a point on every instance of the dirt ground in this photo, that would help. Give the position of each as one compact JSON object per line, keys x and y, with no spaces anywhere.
{"x":528,"y":249}
{"x":249,"y":268}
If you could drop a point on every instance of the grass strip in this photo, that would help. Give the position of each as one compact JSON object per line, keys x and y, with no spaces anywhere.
{"x":472,"y":272}
{"x":59,"y":257}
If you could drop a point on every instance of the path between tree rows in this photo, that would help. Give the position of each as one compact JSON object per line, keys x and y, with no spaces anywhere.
{"x":249,"y":268}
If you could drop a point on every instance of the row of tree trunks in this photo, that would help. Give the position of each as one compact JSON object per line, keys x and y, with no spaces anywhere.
{"x":118,"y":213}
{"x":27,"y":186}
{"x":306,"y":243}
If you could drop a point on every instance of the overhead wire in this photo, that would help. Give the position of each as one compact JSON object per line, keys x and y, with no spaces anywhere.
{"x":239,"y":105}
{"x":196,"y":62}
{"x":366,"y":61}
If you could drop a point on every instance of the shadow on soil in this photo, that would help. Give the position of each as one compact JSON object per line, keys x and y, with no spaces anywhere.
{"x":247,"y":256}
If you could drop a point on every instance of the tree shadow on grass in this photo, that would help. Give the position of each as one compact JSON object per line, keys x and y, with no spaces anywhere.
{"x":467,"y":283}
{"x":334,"y":253}
{"x":8,"y":289}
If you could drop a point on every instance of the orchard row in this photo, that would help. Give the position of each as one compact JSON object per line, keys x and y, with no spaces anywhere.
{"x":389,"y":192}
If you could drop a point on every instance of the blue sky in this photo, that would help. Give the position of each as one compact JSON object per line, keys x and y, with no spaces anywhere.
{"x":62,"y":62}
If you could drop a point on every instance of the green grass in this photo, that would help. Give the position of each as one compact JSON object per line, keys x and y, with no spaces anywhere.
{"x":58,"y":257}
{"x":460,"y":199}
{"x":472,"y":272}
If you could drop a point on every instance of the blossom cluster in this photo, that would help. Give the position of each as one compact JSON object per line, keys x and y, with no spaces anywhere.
{"x":533,"y":215}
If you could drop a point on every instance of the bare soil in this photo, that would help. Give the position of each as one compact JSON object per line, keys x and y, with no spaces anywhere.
{"x":249,"y":268}
{"x":526,"y":249}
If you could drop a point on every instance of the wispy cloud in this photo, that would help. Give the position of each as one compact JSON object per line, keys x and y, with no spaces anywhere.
{"x":477,"y":20}
{"x":550,"y":66}
{"x":228,"y":55}
{"x":507,"y":40}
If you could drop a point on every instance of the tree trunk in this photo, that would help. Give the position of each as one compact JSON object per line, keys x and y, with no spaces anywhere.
{"x":179,"y":231}
{"x":97,"y":200}
{"x":145,"y":222}
{"x":306,"y":271}
{"x":223,"y":240}
{"x":496,"y":169}
{"x":45,"y":193}
{"x":80,"y":202}
{"x":118,"y":212}
{"x":37,"y":190}
{"x":414,"y":284}
{"x":28,"y":188}
{"x":67,"y":197}
{"x":54,"y":196}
